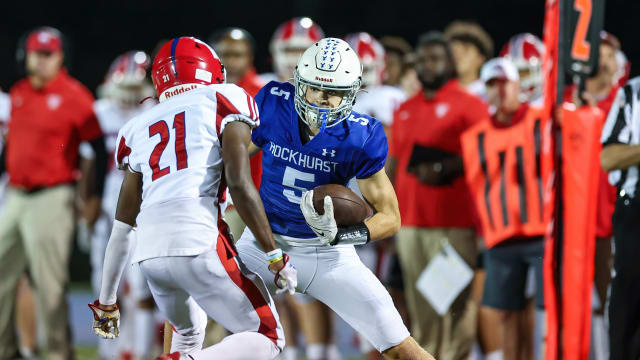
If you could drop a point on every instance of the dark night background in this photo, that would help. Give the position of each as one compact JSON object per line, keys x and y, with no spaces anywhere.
{"x":100,"y":30}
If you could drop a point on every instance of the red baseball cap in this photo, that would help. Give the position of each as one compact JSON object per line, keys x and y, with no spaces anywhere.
{"x":44,"y":40}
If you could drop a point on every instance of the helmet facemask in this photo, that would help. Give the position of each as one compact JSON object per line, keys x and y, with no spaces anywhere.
{"x":317,"y":117}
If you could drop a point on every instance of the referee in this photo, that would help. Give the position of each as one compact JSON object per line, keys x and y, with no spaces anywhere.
{"x":621,"y":158}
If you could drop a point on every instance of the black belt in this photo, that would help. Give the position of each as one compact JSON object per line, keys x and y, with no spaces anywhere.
{"x":37,"y":189}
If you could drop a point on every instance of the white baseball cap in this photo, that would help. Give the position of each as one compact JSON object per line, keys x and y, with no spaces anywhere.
{"x":499,"y":68}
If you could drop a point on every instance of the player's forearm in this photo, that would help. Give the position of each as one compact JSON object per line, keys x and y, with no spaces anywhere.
{"x":619,"y":156}
{"x":383,"y":225}
{"x":250,"y":208}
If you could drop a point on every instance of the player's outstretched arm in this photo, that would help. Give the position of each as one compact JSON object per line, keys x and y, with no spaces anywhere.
{"x":236,"y":140}
{"x":106,"y":316}
{"x":379,"y":192}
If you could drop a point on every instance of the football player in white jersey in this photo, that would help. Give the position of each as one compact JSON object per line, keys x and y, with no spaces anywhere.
{"x":120,"y":97}
{"x":177,"y":165}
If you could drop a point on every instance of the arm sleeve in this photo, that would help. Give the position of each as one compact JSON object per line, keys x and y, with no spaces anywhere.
{"x":616,"y":129}
{"x":115,"y":259}
{"x":373,"y":154}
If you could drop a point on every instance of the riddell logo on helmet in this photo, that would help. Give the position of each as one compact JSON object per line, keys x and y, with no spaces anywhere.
{"x":324,"y":79}
{"x":169,"y":93}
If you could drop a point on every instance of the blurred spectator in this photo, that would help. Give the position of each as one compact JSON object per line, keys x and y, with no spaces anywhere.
{"x":526,"y":52}
{"x":471,"y":47}
{"x":396,"y":51}
{"x":378,"y":100}
{"x":51,"y":113}
{"x":435,"y":205}
{"x":600,"y":90}
{"x":399,"y":68}
{"x":621,"y":158}
{"x":288,"y":43}
{"x":508,"y":147}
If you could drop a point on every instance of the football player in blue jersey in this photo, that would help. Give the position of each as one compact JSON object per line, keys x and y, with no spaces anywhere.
{"x":310,"y":136}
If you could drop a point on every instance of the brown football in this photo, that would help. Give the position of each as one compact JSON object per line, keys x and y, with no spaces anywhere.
{"x":348,"y":208}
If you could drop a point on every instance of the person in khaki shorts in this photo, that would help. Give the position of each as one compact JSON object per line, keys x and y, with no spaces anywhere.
{"x":51,"y":113}
{"x":434,"y":201}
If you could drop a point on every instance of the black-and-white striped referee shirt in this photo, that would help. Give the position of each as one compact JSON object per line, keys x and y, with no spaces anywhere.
{"x":623,"y":127}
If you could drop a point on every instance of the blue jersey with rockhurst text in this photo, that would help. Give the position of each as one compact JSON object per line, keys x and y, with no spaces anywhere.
{"x":356,"y":147}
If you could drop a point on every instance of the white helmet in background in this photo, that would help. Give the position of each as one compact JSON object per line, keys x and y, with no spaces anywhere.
{"x":526,"y":51}
{"x":371,"y":55}
{"x":329,"y":64}
{"x":126,"y":81}
{"x":289,"y":41}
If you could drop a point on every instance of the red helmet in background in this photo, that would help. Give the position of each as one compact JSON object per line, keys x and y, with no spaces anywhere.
{"x":289,"y":41}
{"x":526,"y":51}
{"x":371,"y":54}
{"x":126,"y":81}
{"x":183,"y":64}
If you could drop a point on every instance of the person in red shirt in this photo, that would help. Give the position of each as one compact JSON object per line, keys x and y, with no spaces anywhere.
{"x":51,"y":113}
{"x":435,"y":205}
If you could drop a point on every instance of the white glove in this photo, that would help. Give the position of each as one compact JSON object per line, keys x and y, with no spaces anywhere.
{"x":286,"y":278}
{"x":105,"y":322}
{"x":83,"y":235}
{"x":323,"y":225}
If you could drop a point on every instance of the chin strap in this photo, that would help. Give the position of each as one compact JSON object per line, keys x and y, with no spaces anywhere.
{"x":352,"y":235}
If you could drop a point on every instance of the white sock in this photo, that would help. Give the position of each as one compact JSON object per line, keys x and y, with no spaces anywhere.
{"x":108,"y":348}
{"x":599,"y":338}
{"x":241,"y":346}
{"x":289,"y":353}
{"x":539,"y":333}
{"x":145,"y":332}
{"x":316,"y":352}
{"x":496,"y":355}
{"x":333,"y":353}
{"x":476,"y":352}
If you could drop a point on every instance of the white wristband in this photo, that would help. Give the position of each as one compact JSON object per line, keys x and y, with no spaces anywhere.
{"x":274,"y":256}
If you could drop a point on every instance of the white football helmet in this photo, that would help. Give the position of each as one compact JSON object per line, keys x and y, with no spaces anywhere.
{"x":371,"y":55}
{"x":329,"y":64}
{"x":289,"y":42}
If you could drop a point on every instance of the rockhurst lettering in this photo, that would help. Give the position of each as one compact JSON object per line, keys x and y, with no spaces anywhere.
{"x":300,"y":159}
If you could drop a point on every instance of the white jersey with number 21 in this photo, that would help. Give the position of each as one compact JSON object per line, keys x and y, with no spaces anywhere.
{"x":176,"y":147}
